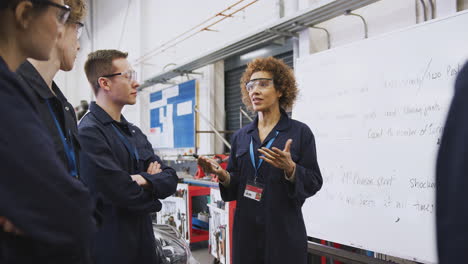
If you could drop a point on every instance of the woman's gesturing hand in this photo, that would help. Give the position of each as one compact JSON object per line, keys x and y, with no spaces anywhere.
{"x":280,"y":158}
{"x":211,"y":166}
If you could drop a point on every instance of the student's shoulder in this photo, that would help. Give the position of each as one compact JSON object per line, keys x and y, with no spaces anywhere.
{"x":136,"y":130}
{"x":9,"y":89}
{"x":14,"y":92}
{"x":301,"y":128}
{"x":88,"y":122}
{"x":296,"y":124}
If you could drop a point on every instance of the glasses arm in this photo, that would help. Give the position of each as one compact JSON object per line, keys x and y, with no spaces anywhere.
{"x":111,"y":75}
{"x":259,"y":79}
{"x":63,"y":7}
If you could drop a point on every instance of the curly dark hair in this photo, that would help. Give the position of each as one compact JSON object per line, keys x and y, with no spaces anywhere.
{"x":283,"y":78}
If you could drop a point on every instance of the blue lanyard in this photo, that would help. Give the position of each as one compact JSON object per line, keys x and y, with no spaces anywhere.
{"x":260,"y":161}
{"x":131,"y":148}
{"x":68,"y":146}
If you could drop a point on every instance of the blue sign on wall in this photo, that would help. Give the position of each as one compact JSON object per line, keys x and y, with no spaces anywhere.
{"x":172,"y":118}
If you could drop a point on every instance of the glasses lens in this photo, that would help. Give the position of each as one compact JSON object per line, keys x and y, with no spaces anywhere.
{"x":263,"y":83}
{"x":249,"y":86}
{"x":63,"y":15}
{"x":79,"y":30}
{"x":131,"y":75}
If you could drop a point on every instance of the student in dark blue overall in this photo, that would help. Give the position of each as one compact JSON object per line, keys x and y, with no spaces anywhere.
{"x":55,"y":112}
{"x":120,"y":166}
{"x":452,"y":178}
{"x":45,"y":213}
{"x":272,"y":170}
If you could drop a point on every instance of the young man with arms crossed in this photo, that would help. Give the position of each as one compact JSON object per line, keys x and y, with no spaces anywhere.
{"x":119,"y":164}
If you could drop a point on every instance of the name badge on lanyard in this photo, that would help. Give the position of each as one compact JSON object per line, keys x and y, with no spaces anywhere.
{"x":254,"y":189}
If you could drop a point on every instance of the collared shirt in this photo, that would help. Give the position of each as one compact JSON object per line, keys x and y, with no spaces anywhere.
{"x":63,"y":110}
{"x":36,"y":192}
{"x":126,"y":235}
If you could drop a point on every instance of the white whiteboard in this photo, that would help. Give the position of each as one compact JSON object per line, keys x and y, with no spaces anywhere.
{"x":377,"y":108}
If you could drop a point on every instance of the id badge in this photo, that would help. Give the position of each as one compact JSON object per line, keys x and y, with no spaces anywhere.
{"x":253,"y":190}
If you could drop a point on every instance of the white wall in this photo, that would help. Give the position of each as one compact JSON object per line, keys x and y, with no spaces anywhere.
{"x":139,"y":26}
{"x":163,"y":21}
{"x":74,"y":83}
{"x":106,"y":27}
{"x":381,"y":17}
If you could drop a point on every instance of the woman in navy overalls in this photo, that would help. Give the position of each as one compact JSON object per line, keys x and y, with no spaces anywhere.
{"x":272,"y":170}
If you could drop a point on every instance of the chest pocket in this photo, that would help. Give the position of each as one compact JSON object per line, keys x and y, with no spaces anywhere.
{"x":241,"y":155}
{"x":145,"y":152}
{"x":144,"y":155}
{"x":242,"y":160}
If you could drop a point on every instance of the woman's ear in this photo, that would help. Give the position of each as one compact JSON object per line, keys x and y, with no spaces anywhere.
{"x":280,"y":94}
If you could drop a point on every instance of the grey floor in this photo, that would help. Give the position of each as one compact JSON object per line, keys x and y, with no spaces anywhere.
{"x":201,"y":254}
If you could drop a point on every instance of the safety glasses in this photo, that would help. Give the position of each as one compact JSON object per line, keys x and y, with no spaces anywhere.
{"x":63,"y":10}
{"x":261,"y":83}
{"x":79,"y":29}
{"x":131,"y":75}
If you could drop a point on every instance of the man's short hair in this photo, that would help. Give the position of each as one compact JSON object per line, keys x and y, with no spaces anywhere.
{"x":99,"y":63}
{"x":13,"y":3}
{"x":78,"y":10}
{"x":8,"y":3}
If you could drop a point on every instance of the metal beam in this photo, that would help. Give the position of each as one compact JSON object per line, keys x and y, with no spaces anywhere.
{"x":287,"y":25}
{"x":342,"y":255}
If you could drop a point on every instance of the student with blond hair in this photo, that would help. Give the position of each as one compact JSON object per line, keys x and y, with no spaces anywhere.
{"x":55,"y":112}
{"x":45,"y":214}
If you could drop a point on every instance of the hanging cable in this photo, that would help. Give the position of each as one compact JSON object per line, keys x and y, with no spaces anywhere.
{"x":124,"y":24}
{"x":149,"y":54}
{"x":423,"y":4}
